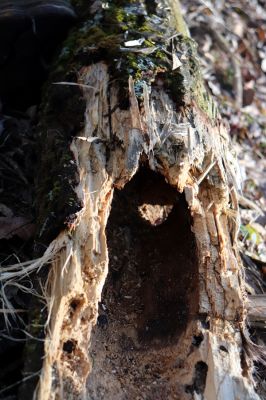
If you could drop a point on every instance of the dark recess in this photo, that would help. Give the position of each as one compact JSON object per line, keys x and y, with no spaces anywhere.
{"x":151,"y":285}
{"x":163,"y":255}
{"x":199,"y":381}
{"x":69,"y":346}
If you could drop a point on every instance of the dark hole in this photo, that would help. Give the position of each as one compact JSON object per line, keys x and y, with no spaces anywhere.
{"x":197,"y":340}
{"x":74,"y":304}
{"x":201,"y":370}
{"x":69,"y":346}
{"x":152,"y":262}
{"x":151,"y":291}
{"x":199,"y":380}
{"x":222,"y":348}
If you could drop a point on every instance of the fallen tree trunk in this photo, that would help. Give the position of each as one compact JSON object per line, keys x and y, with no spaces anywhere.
{"x":137,"y":173}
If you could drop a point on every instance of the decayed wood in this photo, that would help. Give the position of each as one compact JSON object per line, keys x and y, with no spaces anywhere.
{"x":80,"y":270}
{"x":189,"y":146}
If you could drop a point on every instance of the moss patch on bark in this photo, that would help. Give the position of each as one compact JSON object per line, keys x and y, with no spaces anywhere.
{"x":104,"y":35}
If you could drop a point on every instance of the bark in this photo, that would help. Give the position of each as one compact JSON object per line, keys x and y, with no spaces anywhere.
{"x":131,"y":133}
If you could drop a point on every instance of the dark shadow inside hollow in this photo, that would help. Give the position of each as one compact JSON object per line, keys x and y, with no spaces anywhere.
{"x":152,"y":261}
{"x":151,"y":290}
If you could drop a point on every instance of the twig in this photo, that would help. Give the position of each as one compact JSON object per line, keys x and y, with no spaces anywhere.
{"x":243,"y":201}
{"x":205,"y":173}
{"x":75,"y":84}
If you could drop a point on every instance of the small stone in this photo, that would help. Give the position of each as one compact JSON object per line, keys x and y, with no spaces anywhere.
{"x":263,"y":65}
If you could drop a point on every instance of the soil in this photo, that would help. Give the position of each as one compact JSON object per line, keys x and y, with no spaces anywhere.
{"x":149,"y":296}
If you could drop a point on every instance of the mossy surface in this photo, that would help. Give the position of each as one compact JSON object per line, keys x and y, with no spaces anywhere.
{"x":103,"y":35}
{"x":105,"y":31}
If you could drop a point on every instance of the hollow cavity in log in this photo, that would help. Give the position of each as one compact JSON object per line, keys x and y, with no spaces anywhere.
{"x":150,"y":293}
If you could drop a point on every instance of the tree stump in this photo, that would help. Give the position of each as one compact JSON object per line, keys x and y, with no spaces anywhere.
{"x":137,"y":202}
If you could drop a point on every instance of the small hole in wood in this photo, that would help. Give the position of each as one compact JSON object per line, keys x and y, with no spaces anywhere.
{"x":199,"y":379}
{"x":222,"y":348}
{"x":74,"y":304}
{"x":197,"y":340}
{"x":69,"y":346}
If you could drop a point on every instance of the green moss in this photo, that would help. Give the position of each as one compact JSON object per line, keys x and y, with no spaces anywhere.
{"x":99,"y":38}
{"x":102,"y":37}
{"x":118,"y":18}
{"x":185,"y":84}
{"x":147,"y":27}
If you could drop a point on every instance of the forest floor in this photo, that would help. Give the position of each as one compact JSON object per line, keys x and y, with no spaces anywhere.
{"x":231,"y":37}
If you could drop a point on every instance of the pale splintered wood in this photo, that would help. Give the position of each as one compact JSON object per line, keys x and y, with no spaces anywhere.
{"x":206,"y":174}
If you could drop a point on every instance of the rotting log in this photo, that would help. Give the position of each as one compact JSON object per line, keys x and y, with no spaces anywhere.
{"x":126,"y":112}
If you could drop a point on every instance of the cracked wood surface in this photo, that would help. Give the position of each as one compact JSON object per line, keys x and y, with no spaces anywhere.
{"x":78,"y":275}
